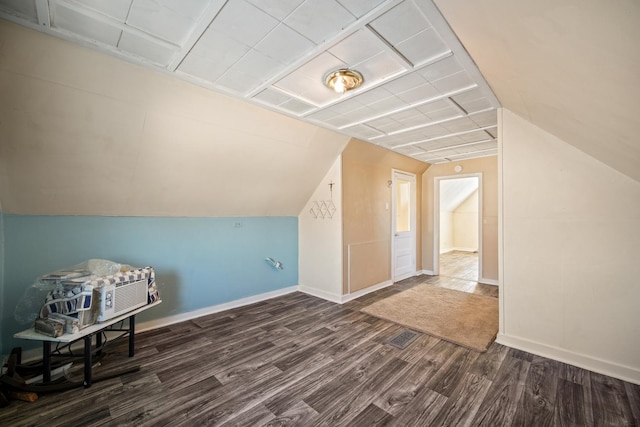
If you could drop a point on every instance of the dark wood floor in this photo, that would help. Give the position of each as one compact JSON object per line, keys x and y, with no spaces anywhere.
{"x":298,"y":360}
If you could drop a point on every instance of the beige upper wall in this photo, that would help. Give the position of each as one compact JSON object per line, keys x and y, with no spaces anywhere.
{"x":366,"y":169}
{"x":569,"y":67}
{"x":571,"y":237}
{"x":488,"y":166}
{"x":83,"y":133}
{"x":465,"y":223}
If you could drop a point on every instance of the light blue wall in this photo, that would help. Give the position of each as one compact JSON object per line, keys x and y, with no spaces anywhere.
{"x":199,"y":262}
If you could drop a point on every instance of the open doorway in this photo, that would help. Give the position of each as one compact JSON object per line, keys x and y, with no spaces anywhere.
{"x":457,"y":228}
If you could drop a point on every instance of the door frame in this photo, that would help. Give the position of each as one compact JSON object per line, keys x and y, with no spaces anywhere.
{"x":436,"y":219}
{"x":414,"y":222}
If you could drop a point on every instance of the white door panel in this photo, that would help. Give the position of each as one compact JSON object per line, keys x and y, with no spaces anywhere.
{"x":404,"y":225}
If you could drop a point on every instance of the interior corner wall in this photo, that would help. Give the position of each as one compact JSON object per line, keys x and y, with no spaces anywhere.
{"x":366,"y":170}
{"x":446,"y":231}
{"x":320,"y":238}
{"x":488,"y":166}
{"x":465,"y":224}
{"x":571,"y":233}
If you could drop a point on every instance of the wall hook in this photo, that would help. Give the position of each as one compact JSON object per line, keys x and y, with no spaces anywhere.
{"x":275,"y":264}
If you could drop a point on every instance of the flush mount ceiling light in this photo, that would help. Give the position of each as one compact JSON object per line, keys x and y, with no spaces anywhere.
{"x":343,"y":80}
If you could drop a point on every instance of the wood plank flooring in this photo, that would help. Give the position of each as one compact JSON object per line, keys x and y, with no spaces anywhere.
{"x":459,"y":264}
{"x":297,"y":360}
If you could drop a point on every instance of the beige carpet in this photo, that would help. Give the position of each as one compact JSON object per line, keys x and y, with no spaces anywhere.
{"x":459,"y":317}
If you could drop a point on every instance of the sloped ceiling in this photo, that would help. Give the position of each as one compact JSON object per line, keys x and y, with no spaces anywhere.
{"x":83,"y":133}
{"x":571,"y":67}
{"x":422,"y":95}
{"x":455,"y":191}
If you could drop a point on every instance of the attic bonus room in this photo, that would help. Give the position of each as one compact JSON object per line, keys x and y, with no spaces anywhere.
{"x":280,"y":165}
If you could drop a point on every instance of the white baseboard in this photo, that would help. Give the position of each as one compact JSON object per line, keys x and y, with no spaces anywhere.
{"x":427,"y":272}
{"x":329,"y":296}
{"x":625,"y":373}
{"x":341,"y":299}
{"x":489,"y":281}
{"x":365,"y":291}
{"x":177,"y":318}
{"x":446,"y":251}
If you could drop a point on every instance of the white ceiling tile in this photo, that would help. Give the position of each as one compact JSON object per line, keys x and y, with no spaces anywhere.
{"x":85,"y":26}
{"x":359,"y":114}
{"x":256,"y":64}
{"x":272,"y":97}
{"x":319,"y":20}
{"x":414,"y":121}
{"x":474,"y":136}
{"x":322,"y":115}
{"x":440,"y":69}
{"x":308,"y":80}
{"x":453,"y":82}
{"x":297,"y":83}
{"x":419,"y":93}
{"x":364,"y":131}
{"x":373,"y":95}
{"x":434,"y":106}
{"x":154,"y":52}
{"x":359,"y":8}
{"x":443,"y":114}
{"x":358,"y":47}
{"x":243,"y":22}
{"x":296,"y":106}
{"x":408,"y":114}
{"x":284,"y":44}
{"x":423,"y":46}
{"x":216,"y":45}
{"x":385,"y":124}
{"x":117,"y":9}
{"x":380,"y":67}
{"x":486,"y":118}
{"x":339,"y":121}
{"x":212,"y":55}
{"x":476,"y":105}
{"x":204,"y":68}
{"x":387,"y":104}
{"x":459,"y":125}
{"x":172,"y":20}
{"x":410,"y":151}
{"x":432,"y":131}
{"x":468,"y":96}
{"x":319,"y":67}
{"x":404,"y":83}
{"x":25,"y":8}
{"x":400,"y":23}
{"x":239,"y":81}
{"x":279,"y":9}
{"x":309,"y":89}
{"x":345,"y":107}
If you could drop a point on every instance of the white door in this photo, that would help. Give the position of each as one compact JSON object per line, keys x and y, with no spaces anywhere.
{"x":404,"y":225}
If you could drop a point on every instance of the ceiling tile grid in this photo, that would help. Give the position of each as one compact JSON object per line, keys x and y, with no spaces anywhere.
{"x":421,"y":92}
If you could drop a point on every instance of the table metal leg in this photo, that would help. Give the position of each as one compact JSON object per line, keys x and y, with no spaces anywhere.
{"x":99,"y":343}
{"x":87,"y":361}
{"x":46,"y":361}
{"x":132,"y":335}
